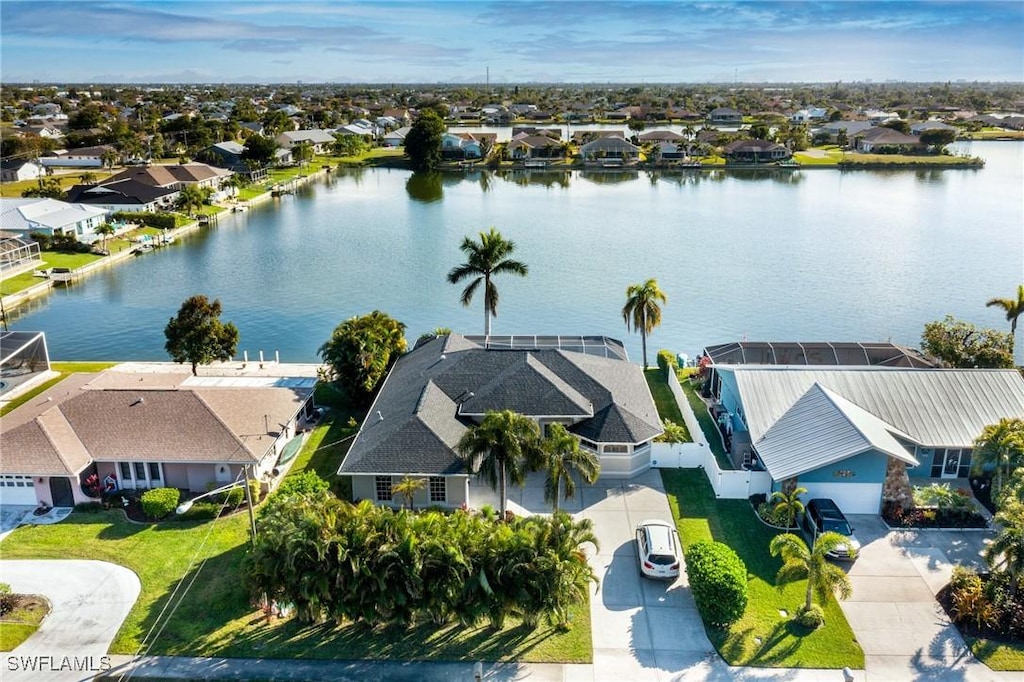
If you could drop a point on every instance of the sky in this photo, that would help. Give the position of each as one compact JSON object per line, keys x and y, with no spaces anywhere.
{"x":565,"y":41}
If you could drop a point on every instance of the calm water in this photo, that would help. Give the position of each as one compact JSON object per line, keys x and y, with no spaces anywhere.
{"x":806,"y":255}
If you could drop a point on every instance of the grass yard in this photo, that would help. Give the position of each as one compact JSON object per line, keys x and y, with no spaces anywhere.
{"x":663,"y":398}
{"x":22,"y":621}
{"x":997,"y":655}
{"x":67,"y":180}
{"x":762,"y":637}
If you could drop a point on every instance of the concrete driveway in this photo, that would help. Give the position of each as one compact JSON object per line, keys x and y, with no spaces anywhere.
{"x":88,"y":600}
{"x":904,"y":632}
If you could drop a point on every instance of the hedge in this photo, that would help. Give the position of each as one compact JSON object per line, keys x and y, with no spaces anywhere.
{"x":164,"y":221}
{"x":667,"y":359}
{"x":159,"y":502}
{"x":718,"y":580}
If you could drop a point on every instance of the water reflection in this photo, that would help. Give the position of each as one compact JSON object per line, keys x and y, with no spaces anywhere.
{"x":425,"y":187}
{"x":781,"y":176}
{"x":605,"y":177}
{"x":534,"y":177}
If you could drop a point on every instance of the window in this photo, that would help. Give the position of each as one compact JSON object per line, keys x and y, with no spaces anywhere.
{"x":154,"y":471}
{"x":965,"y":464}
{"x":616,"y":449}
{"x":588,"y":445}
{"x":126,"y":471}
{"x":382,"y":487}
{"x":438,"y":489}
{"x":140,"y":471}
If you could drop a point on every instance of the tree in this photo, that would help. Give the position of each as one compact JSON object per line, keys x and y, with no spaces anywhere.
{"x":191,"y":199}
{"x":303,"y":152}
{"x":423,"y":141}
{"x":87,"y":178}
{"x":563,"y":456}
{"x":46,"y":188}
{"x":197,"y":335}
{"x":105,"y":231}
{"x":484,"y":259}
{"x":434,"y":333}
{"x":110,"y":158}
{"x":960,"y":344}
{"x":824,"y":579}
{"x":937,"y":138}
{"x":1001,"y":447}
{"x":1006,"y":552}
{"x":789,"y":503}
{"x":408,"y":487}
{"x":1013,"y":308}
{"x":259,"y":150}
{"x":500,"y":449}
{"x":642,"y":311}
{"x":349,"y":145}
{"x":360,"y":352}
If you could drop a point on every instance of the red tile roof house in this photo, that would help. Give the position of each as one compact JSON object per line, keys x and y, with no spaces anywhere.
{"x":148,"y":430}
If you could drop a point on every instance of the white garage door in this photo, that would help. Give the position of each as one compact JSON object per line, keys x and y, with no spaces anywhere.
{"x":17,"y":489}
{"x":852,"y":498}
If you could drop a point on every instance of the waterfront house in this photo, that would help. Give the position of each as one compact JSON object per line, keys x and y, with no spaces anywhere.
{"x":124,"y":195}
{"x":396,"y":138}
{"x":22,"y":217}
{"x":725,"y":116}
{"x":881,"y":140}
{"x":756,"y":151}
{"x":174,"y":176}
{"x":924,"y":126}
{"x":447,"y":384}
{"x":661,"y":136}
{"x":842,"y":418}
{"x":850,"y":128}
{"x":608,"y":151}
{"x":125,"y":430}
{"x":322,"y":141}
{"x":524,"y":146}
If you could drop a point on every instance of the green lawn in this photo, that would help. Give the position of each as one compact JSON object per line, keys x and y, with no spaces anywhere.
{"x":51,"y":259}
{"x":19,"y":624}
{"x":707,"y":424}
{"x":762,"y":637}
{"x":997,"y":655}
{"x":67,"y":180}
{"x":663,"y":398}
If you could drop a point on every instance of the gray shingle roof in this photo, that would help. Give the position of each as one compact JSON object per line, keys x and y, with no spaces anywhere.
{"x":424,"y":405}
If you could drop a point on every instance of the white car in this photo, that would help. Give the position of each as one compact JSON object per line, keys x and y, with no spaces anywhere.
{"x":658,"y":549}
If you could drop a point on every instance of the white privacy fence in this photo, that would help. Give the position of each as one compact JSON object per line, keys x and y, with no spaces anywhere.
{"x":728,"y":483}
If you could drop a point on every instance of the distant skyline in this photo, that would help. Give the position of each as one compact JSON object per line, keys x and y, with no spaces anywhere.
{"x":647,"y":41}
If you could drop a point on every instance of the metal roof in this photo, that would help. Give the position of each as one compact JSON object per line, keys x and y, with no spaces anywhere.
{"x":933,"y":407}
{"x":823,"y":428}
{"x":842,"y":353}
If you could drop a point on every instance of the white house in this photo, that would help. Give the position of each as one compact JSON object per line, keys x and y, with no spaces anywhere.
{"x":321,"y":140}
{"x":51,"y":217}
{"x":13,"y":170}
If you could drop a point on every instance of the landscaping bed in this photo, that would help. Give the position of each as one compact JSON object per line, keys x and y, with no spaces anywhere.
{"x":990,"y":619}
{"x":929,"y":517}
{"x":763,"y":636}
{"x":18,"y":624}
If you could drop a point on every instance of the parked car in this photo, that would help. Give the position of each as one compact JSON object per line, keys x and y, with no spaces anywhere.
{"x":822,"y":515}
{"x":658,"y":549}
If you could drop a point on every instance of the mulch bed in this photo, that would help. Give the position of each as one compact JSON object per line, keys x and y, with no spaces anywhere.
{"x":969,"y":629}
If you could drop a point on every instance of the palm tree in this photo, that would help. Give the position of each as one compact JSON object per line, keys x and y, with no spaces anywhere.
{"x":1013,"y":308}
{"x":105,"y":231}
{"x":484,"y":259}
{"x":1000,"y":446}
{"x":562,"y":456}
{"x":642,"y":311}
{"x":1006,"y":552}
{"x":789,"y":503}
{"x":408,"y":487}
{"x":501,"y":448}
{"x":824,"y":579}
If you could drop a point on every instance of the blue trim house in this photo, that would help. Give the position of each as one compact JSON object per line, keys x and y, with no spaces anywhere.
{"x":852,"y":433}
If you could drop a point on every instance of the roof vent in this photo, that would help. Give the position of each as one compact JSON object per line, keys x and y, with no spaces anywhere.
{"x":443,"y":356}
{"x":138,"y":401}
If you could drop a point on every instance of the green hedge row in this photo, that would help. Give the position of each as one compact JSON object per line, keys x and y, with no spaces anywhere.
{"x":163,"y":221}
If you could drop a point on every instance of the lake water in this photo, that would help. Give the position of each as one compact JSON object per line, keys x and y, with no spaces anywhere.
{"x":791,"y":255}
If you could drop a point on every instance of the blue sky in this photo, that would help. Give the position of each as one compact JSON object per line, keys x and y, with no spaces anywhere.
{"x":455,"y":42}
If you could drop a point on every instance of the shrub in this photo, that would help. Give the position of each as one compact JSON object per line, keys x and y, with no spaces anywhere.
{"x":235,"y":496}
{"x":811,"y":618}
{"x":7,"y":600}
{"x":306,"y":483}
{"x":159,"y":502}
{"x":667,"y":359}
{"x":718,"y":579}
{"x":164,"y":221}
{"x":773,"y":515}
{"x":202,"y":511}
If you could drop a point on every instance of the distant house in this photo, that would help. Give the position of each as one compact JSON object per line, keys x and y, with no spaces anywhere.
{"x":84,"y":157}
{"x":396,"y":138}
{"x":756,"y":151}
{"x":13,"y":170}
{"x":446,"y":385}
{"x":725,"y":115}
{"x":610,"y":151}
{"x":466,"y":145}
{"x":125,"y":195}
{"x":553,"y":133}
{"x":661,"y":136}
{"x":924,"y":126}
{"x":22,"y":217}
{"x":880,"y":139}
{"x":321,"y":140}
{"x":225,"y":155}
{"x":174,"y":176}
{"x":809,"y":114}
{"x":671,"y":151}
{"x":128,"y":431}
{"x":524,"y":146}
{"x":851,"y":128}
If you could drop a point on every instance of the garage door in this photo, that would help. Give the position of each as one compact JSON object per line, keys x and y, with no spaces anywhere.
{"x":17,"y":490}
{"x":852,"y":498}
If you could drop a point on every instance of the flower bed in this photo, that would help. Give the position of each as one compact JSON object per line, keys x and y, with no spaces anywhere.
{"x":931,"y":517}
{"x":982,"y":605}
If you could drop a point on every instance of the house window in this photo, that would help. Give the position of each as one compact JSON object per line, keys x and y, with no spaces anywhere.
{"x":616,"y":449}
{"x":140,"y":471}
{"x":154,"y":471}
{"x":588,"y":445}
{"x":382,"y":487}
{"x":438,"y":489}
{"x":126,"y":471}
{"x":965,"y":464}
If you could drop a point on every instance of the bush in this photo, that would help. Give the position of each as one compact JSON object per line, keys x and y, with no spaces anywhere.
{"x":236,"y":496}
{"x":202,"y":511}
{"x":718,"y":579}
{"x":773,"y":515}
{"x":8,"y":600}
{"x":159,"y":502}
{"x":306,"y":483}
{"x":667,"y":359}
{"x":811,"y":618}
{"x":164,"y":221}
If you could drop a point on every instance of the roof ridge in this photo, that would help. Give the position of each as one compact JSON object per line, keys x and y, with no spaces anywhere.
{"x":239,"y":441}
{"x":44,"y":427}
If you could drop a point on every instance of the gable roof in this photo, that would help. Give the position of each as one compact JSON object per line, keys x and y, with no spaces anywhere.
{"x":168,"y":175}
{"x":121,"y":192}
{"x":427,"y":400}
{"x":931,"y":407}
{"x":29,"y":214}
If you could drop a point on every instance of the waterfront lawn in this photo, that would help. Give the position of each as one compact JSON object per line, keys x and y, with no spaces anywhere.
{"x":997,"y":655}
{"x":51,"y":259}
{"x":762,"y":637}
{"x":663,"y":398}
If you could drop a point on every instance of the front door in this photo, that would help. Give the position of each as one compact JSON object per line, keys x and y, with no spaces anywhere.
{"x":951,"y":466}
{"x":60,"y":491}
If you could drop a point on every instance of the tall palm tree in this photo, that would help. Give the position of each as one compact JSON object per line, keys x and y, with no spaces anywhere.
{"x":1006,"y":552}
{"x":501,"y":448}
{"x":789,"y":503}
{"x":824,"y":579}
{"x":488,"y":257}
{"x":642,"y":311}
{"x":1000,"y":446}
{"x":1013,"y":308}
{"x":563,"y":456}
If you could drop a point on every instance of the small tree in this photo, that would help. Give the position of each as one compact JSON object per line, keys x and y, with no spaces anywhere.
{"x":191,"y":199}
{"x":360,"y":352}
{"x":196,"y":334}
{"x":788,"y":504}
{"x":408,"y":487}
{"x":1001,"y":447}
{"x":718,"y":580}
{"x":824,"y":579}
{"x":1013,"y":307}
{"x":260,"y":150}
{"x":500,"y":449}
{"x":1006,"y":552}
{"x":960,"y":344}
{"x":105,"y":231}
{"x":562,"y":456}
